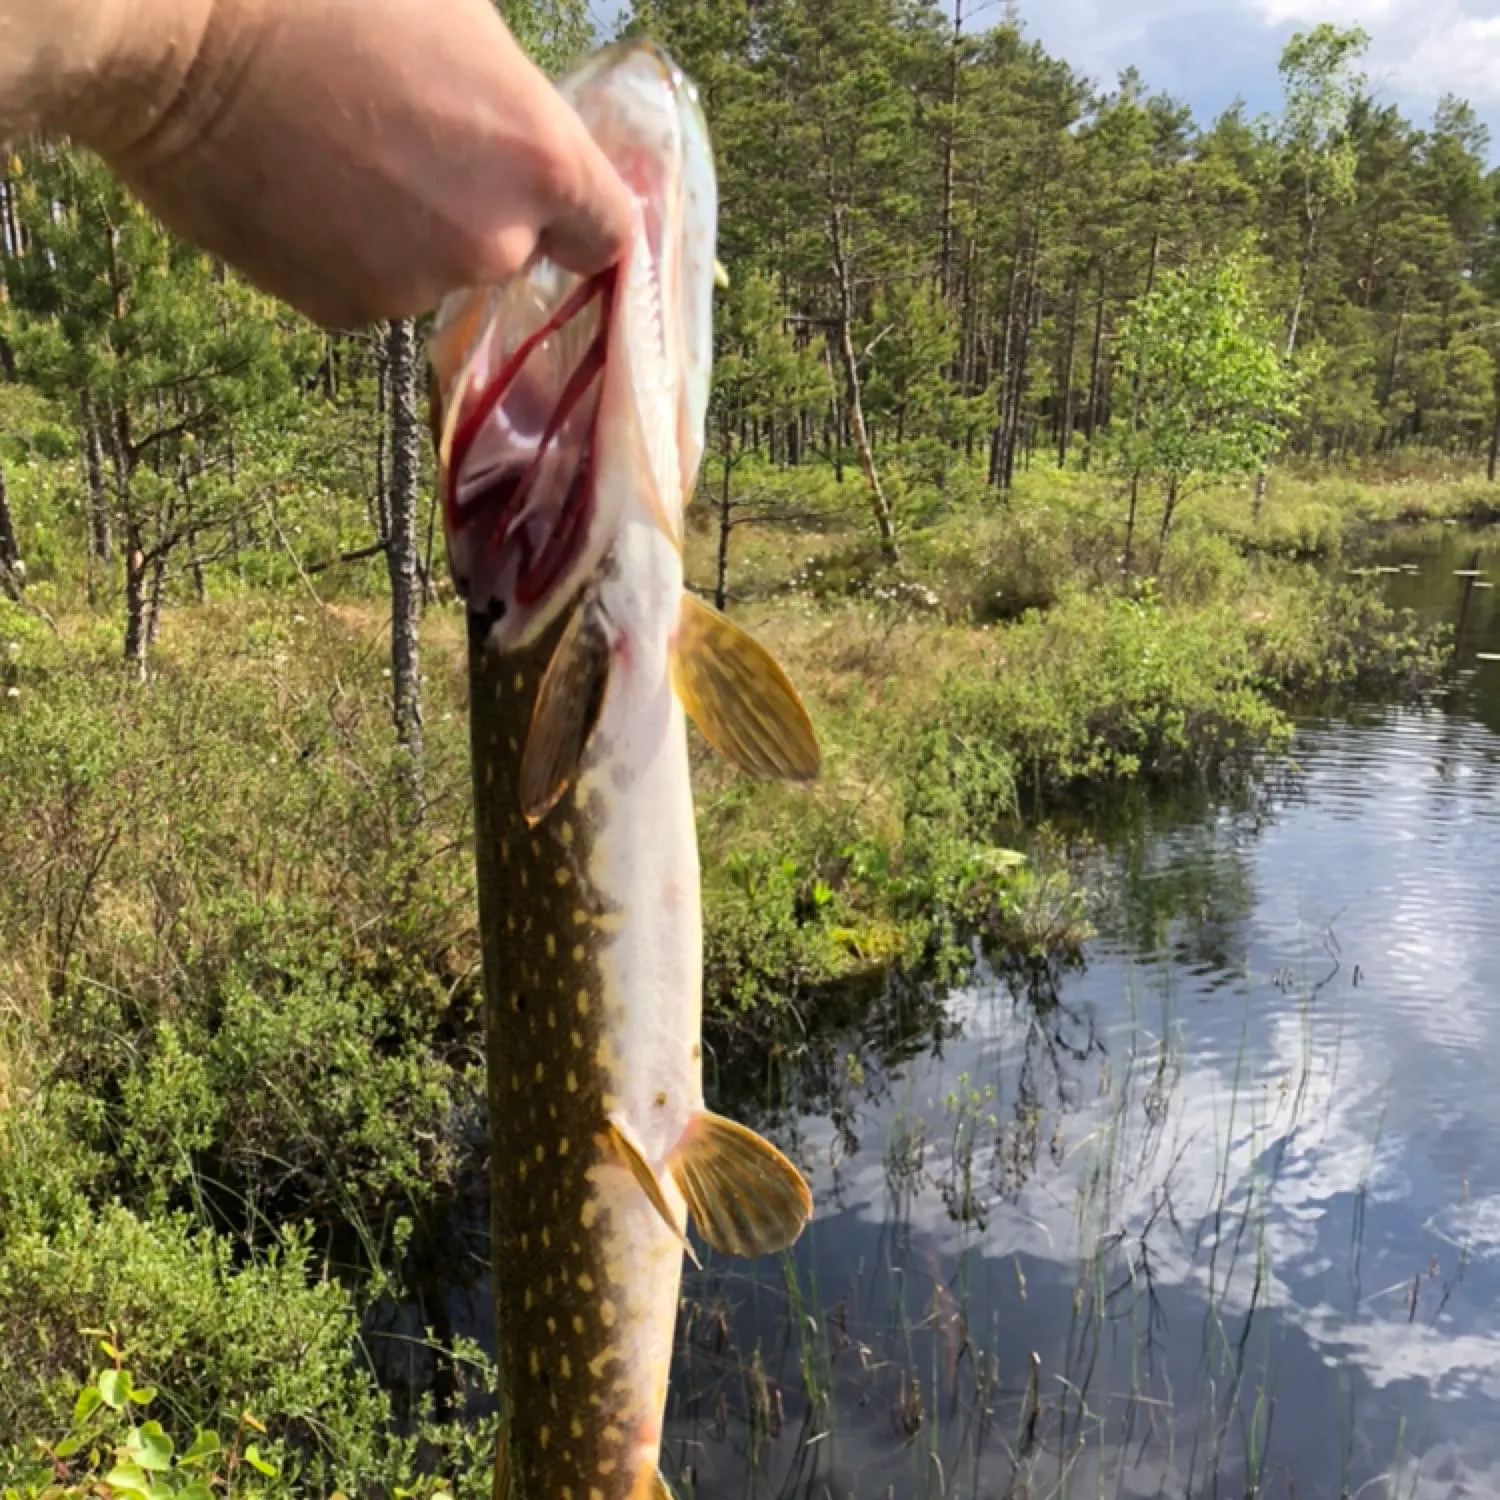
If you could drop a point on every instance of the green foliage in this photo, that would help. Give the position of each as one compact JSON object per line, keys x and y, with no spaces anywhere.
{"x":1209,"y":389}
{"x":1321,"y":87}
{"x":107,"y":1443}
{"x":554,"y":33}
{"x":221,"y":1337}
{"x":943,"y":741}
{"x":250,"y":989}
{"x":759,"y":370}
{"x":321,"y":1430}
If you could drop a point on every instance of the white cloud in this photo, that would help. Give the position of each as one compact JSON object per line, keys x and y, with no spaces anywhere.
{"x":1457,"y":54}
{"x":1366,"y":13}
{"x":1208,"y":52}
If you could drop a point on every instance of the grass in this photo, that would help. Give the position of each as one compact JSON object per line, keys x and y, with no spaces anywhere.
{"x":239,"y":1020}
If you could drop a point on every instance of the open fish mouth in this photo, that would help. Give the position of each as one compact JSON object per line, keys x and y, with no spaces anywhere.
{"x":556,"y":398}
{"x":520,"y":486}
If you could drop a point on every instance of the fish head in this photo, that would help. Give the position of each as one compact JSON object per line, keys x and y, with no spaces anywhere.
{"x":561,"y":403}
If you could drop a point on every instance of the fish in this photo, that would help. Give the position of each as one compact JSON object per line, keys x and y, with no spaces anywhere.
{"x":568,"y":416}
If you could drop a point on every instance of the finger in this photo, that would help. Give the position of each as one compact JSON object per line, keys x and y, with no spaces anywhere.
{"x":595,"y":217}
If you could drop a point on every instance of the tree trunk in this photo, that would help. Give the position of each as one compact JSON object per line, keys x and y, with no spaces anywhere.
{"x":1393,"y":366}
{"x":382,"y":516}
{"x":101,"y":544}
{"x":845,"y":287}
{"x":1096,"y":358}
{"x":136,"y":639}
{"x":1127,"y":562}
{"x":1166,"y":520}
{"x":158,"y":571}
{"x":12,"y":574}
{"x":726,"y":522}
{"x":1030,"y":314}
{"x":970,"y":317}
{"x":1002,"y":412}
{"x":1065,"y":425}
{"x":1135,"y":384}
{"x":185,"y":475}
{"x":945,"y":247}
{"x":401,"y":559}
{"x":1294,"y":322}
{"x":15,"y":238}
{"x":1018,"y":352}
{"x":1372,"y":262}
{"x":1489,"y":473}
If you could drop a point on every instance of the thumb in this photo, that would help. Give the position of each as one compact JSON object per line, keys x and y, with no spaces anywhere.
{"x":596,"y":214}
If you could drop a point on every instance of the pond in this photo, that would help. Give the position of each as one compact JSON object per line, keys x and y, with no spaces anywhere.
{"x":1217,"y":1214}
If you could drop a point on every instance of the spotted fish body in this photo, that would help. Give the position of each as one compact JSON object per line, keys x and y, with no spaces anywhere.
{"x":585,"y":1270}
{"x":569,"y":420}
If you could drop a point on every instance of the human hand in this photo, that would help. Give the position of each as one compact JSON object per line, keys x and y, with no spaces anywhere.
{"x":357,"y":158}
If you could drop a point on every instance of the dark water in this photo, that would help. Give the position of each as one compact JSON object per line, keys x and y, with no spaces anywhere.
{"x":1220,"y":1214}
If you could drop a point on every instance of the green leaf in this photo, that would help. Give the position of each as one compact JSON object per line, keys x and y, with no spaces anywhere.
{"x":114,"y":1389}
{"x":88,"y":1402}
{"x":205,"y":1445}
{"x":197,"y":1490}
{"x":128,"y":1479}
{"x":68,"y":1447}
{"x":260,"y":1465}
{"x":153,"y":1447}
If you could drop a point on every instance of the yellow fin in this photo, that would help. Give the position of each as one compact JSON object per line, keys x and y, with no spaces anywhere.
{"x":739,"y":697}
{"x":565,"y":713}
{"x":745,"y":1197}
{"x":627,"y":1148}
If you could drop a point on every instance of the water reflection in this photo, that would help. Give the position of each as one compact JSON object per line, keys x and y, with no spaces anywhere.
{"x":1220,"y":1216}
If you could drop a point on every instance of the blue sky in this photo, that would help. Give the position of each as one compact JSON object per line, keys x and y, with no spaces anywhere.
{"x":1206,"y":52}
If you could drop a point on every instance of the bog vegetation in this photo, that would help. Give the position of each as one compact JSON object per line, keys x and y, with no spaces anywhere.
{"x":1044,"y":420}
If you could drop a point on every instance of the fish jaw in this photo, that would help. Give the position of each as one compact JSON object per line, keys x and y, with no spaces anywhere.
{"x":645,"y":113}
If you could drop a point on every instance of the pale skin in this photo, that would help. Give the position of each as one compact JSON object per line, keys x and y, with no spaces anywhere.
{"x":359,"y":159}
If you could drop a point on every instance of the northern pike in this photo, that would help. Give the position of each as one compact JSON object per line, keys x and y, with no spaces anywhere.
{"x":569,"y":419}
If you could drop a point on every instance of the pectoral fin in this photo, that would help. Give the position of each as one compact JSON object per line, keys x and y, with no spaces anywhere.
{"x":739,"y":697}
{"x":565,"y":713}
{"x":623,"y":1142}
{"x":745,"y":1197}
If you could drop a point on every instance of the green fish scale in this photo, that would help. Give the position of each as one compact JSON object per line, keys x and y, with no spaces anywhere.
{"x":544,"y":1007}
